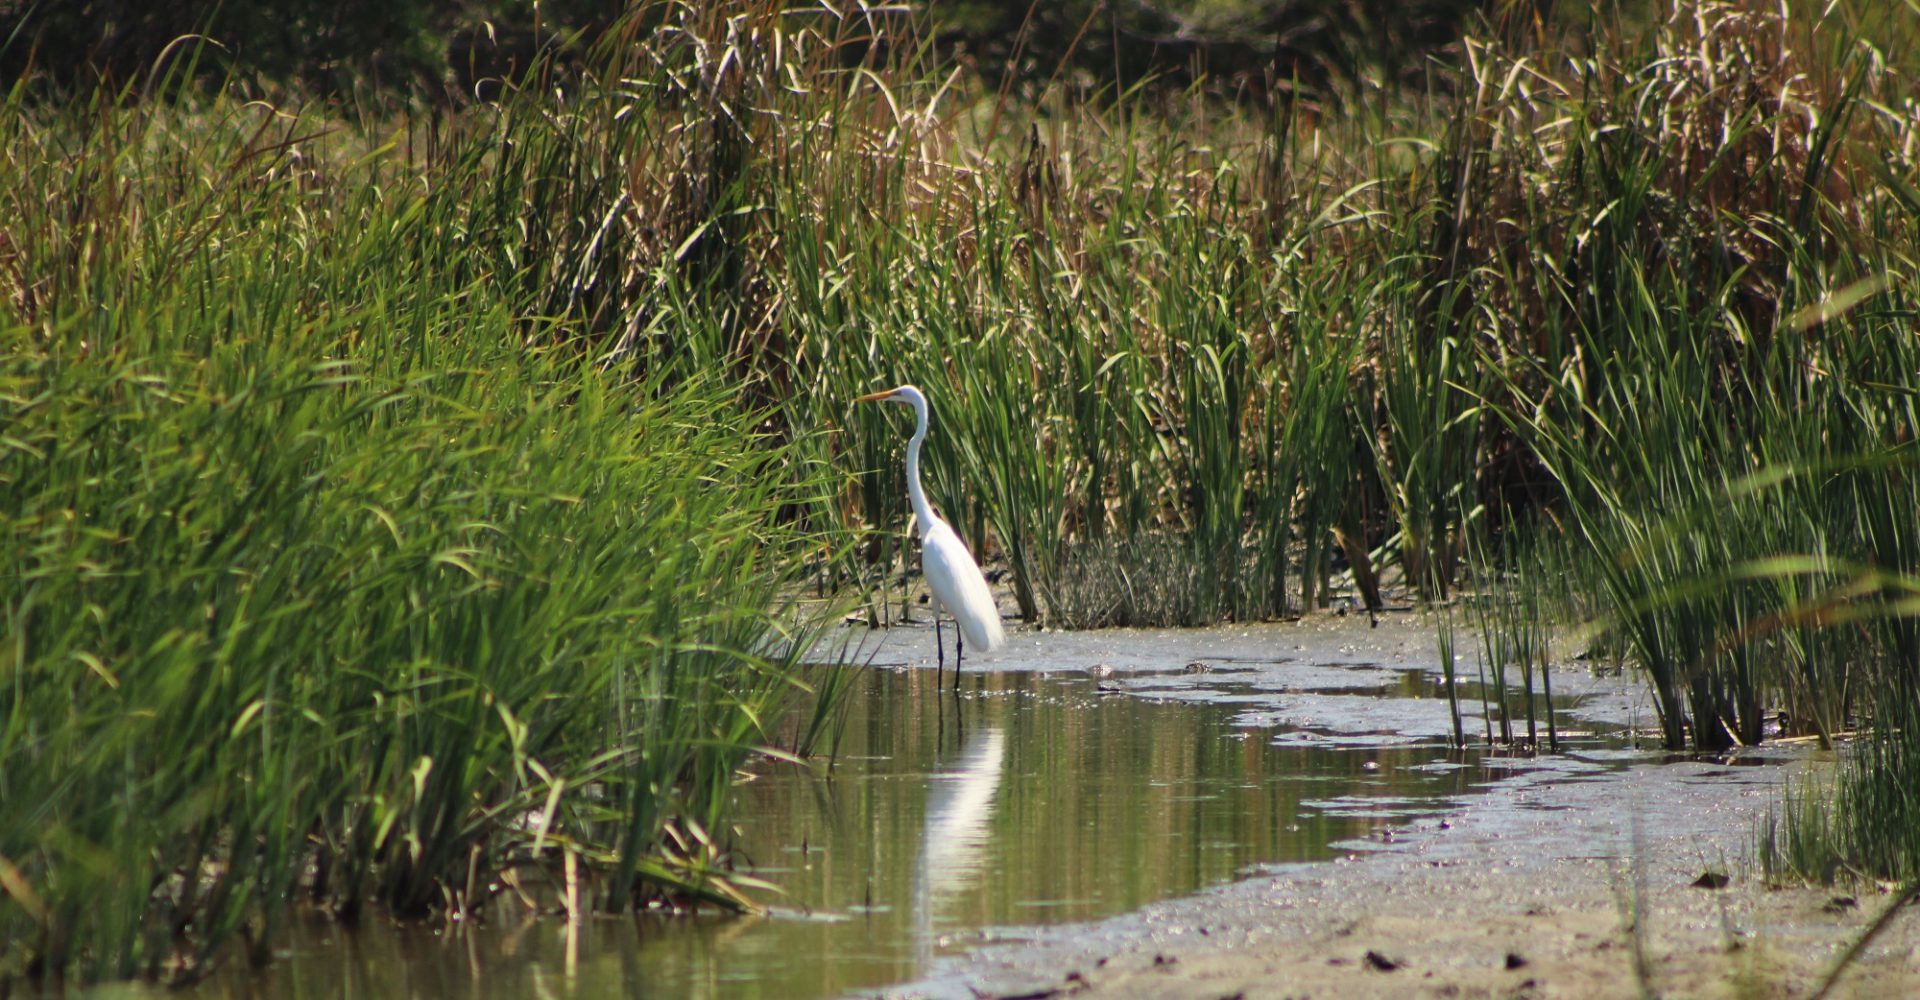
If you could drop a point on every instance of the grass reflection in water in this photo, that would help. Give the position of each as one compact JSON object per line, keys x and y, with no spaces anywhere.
{"x":1028,"y":800}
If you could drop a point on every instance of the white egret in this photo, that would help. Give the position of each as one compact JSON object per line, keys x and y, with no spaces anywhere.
{"x":949,"y":568}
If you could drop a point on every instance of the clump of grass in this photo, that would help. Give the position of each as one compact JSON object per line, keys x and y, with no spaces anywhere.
{"x":1140,"y":581}
{"x":1859,"y":826}
{"x":1678,"y":354}
{"x":1514,"y":622}
{"x":1863,"y":821}
{"x":331,"y":564}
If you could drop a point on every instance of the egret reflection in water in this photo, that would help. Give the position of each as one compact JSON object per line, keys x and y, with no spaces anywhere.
{"x":954,"y":839}
{"x":1034,"y":800}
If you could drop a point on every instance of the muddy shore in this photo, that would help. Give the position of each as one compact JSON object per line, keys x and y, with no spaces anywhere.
{"x":1565,"y":880}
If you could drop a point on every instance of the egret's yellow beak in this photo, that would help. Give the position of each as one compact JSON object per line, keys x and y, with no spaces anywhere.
{"x":874,"y":397}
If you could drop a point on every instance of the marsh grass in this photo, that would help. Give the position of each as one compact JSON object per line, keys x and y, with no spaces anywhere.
{"x":1610,"y":277}
{"x":1589,"y":287}
{"x":1511,"y":612}
{"x":1642,"y":287}
{"x":333,"y":566}
{"x":1861,"y":823}
{"x":1139,"y":582}
{"x":401,"y":480}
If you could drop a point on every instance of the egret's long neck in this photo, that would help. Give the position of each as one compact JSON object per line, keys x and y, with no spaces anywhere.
{"x":922,"y":511}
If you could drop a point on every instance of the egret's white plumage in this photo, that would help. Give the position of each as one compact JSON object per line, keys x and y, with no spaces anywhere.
{"x":952,"y":575}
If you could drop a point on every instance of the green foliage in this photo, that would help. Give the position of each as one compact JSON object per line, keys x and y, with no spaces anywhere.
{"x":1862,"y":824}
{"x":1719,"y":297}
{"x":331,"y":564}
{"x":385,"y":474}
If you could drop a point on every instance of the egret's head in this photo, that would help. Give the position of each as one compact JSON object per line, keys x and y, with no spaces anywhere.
{"x":906,"y":395}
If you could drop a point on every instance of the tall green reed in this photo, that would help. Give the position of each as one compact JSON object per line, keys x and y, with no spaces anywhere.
{"x":332,"y":556}
{"x":1677,"y":355}
{"x":1673,"y":257}
{"x":1151,"y":321}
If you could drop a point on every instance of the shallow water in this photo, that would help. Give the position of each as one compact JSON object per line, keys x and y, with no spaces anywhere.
{"x":1031,"y":798}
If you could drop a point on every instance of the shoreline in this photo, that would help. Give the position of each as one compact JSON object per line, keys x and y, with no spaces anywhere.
{"x":1526,"y":889}
{"x":1527,"y":893}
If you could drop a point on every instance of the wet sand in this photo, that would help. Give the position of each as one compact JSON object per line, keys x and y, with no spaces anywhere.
{"x":1559,"y":882}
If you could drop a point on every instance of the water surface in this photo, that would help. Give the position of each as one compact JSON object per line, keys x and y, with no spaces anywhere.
{"x":944,"y":821}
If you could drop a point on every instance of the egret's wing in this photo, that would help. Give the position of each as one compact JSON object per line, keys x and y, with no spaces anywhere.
{"x":958,"y":585}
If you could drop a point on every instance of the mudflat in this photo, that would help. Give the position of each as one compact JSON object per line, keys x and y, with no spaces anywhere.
{"x":1622,"y":882}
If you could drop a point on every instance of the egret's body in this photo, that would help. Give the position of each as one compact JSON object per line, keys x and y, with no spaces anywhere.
{"x":951,"y":574}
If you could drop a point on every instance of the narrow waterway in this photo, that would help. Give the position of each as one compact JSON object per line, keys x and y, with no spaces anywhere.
{"x":1032,"y":797}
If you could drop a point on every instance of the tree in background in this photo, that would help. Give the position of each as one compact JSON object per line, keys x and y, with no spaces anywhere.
{"x":322,"y":44}
{"x":1242,"y":43}
{"x":444,"y":48}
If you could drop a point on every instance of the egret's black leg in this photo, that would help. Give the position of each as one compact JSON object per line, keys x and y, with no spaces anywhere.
{"x":939,"y":653}
{"x":959,"y":650}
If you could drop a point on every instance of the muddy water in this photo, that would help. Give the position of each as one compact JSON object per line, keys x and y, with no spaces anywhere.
{"x":1037,"y":796}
